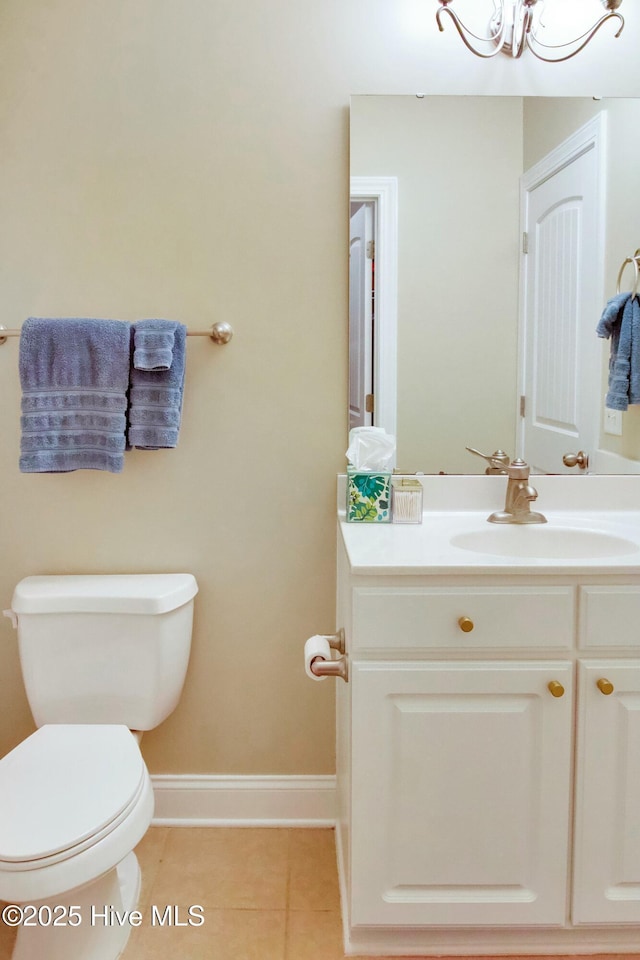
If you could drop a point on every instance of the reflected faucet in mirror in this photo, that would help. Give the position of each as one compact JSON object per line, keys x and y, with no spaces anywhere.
{"x":498,"y":461}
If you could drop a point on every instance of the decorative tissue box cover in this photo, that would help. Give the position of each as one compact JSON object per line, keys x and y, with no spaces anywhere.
{"x":368,"y":497}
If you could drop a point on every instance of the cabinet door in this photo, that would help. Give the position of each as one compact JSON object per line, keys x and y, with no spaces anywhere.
{"x":607,"y":818}
{"x":460,"y":793}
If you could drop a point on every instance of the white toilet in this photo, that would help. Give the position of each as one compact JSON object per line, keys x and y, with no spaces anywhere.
{"x":103,"y":658}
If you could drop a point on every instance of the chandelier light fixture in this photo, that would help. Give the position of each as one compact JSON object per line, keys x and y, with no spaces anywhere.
{"x":516,"y":26}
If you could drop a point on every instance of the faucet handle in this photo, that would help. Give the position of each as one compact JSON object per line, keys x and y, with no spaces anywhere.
{"x":498,"y":460}
{"x":518,"y":469}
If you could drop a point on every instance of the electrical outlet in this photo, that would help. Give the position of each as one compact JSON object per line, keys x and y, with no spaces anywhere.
{"x":613,"y":422}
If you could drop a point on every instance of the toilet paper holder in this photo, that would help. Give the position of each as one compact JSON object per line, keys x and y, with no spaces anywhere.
{"x":332,"y":668}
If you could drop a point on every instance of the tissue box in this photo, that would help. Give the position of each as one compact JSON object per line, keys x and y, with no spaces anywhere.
{"x":368,"y":497}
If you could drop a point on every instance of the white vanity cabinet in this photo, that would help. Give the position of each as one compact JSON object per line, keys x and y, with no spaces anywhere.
{"x":460,"y":796}
{"x":606,"y":883}
{"x":489,"y":763}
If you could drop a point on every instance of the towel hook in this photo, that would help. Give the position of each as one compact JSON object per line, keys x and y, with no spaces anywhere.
{"x":634,"y":260}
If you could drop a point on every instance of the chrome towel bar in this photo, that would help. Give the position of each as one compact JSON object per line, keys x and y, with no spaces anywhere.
{"x":221,"y":332}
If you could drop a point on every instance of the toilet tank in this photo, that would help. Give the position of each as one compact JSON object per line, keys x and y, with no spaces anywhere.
{"x":104,"y":649}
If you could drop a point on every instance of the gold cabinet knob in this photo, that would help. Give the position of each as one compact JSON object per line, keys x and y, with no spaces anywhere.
{"x":555,"y":688}
{"x":465,"y":624}
{"x":604,"y":686}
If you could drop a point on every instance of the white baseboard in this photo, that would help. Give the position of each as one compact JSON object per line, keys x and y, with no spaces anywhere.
{"x":217,"y":801}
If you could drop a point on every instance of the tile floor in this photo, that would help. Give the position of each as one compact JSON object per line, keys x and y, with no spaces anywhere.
{"x":267,"y":894}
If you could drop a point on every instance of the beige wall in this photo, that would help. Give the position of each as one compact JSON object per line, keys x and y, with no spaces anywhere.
{"x":458,"y":260}
{"x":190,"y":160}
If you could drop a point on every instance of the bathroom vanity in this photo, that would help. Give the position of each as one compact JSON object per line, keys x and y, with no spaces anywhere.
{"x":489,"y":732}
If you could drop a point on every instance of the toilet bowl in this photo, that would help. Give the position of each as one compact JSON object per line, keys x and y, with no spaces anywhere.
{"x":101,"y":656}
{"x":74,"y":801}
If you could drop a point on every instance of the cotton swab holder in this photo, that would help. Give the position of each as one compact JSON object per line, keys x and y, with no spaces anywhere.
{"x":406,"y":500}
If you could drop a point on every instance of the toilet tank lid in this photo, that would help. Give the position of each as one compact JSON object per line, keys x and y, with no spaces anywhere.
{"x":148,"y":593}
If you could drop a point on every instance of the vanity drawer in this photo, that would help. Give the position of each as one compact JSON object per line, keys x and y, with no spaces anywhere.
{"x":411,"y":618}
{"x":610,"y":616}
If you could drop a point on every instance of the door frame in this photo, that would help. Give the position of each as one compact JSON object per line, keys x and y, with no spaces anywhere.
{"x":362,"y":218}
{"x":383,"y":192}
{"x":591,"y":136}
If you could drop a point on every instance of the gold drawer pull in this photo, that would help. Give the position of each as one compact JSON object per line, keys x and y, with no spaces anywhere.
{"x":555,"y":688}
{"x":604,"y":686}
{"x":465,"y":624}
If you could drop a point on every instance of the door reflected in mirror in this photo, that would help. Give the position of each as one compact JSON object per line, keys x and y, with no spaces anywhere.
{"x":513,"y":218}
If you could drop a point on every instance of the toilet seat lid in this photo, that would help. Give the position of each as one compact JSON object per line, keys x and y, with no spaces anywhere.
{"x":63,"y":785}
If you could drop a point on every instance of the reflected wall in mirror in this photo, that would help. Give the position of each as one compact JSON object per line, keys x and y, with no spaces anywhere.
{"x":459,"y":163}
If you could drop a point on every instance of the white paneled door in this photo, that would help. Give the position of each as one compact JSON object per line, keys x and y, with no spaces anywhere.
{"x":561,"y":301}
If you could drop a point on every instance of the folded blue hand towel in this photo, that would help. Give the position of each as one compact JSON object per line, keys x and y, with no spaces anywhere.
{"x":74,"y":375}
{"x":157,"y":383}
{"x":153,"y":342}
{"x":620,"y":322}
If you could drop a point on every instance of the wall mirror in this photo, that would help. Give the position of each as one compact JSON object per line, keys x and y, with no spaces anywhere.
{"x":443,"y":189}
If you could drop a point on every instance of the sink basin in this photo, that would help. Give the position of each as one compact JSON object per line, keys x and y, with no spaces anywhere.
{"x":544,"y":542}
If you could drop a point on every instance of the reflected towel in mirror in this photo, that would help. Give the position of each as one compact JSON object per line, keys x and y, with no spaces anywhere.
{"x":620,"y":322}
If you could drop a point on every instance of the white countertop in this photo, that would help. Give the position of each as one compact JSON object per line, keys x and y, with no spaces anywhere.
{"x":593,"y":526}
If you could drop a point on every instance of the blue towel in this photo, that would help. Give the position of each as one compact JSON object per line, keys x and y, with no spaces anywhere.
{"x":74,"y":375}
{"x":153,"y":344}
{"x":620,"y":322}
{"x":157,"y":383}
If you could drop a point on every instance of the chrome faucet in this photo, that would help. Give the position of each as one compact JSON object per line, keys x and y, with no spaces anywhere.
{"x":520,"y":493}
